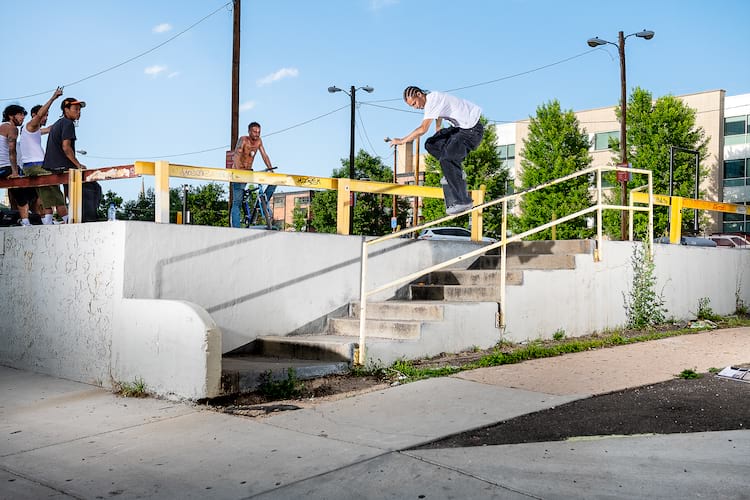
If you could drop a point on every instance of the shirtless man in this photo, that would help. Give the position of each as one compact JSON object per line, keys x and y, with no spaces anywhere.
{"x":244,"y":155}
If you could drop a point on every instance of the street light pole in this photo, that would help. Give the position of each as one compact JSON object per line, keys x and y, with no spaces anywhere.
{"x":595,"y":42}
{"x":352,"y":96}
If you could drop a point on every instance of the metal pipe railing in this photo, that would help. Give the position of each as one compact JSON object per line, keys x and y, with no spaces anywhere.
{"x":502,"y":243}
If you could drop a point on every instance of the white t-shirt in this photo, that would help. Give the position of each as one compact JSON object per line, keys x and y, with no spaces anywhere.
{"x":459,"y":112}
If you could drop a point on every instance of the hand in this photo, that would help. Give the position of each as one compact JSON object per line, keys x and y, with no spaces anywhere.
{"x":58,"y":93}
{"x":397,"y":141}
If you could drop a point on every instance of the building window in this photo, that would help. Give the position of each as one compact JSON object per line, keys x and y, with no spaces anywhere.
{"x":279,"y":201}
{"x":601,"y":140}
{"x":734,"y":223}
{"x":302,"y":200}
{"x":736,"y":130}
{"x":737,"y":172}
{"x":507,"y":153}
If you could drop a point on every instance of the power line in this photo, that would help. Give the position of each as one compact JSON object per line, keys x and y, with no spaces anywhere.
{"x":362,"y":123}
{"x":226,"y":146}
{"x":508,"y":77}
{"x":124,"y":62}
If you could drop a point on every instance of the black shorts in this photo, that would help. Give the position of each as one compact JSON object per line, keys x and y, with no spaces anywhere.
{"x":23,"y":196}
{"x":5,"y":172}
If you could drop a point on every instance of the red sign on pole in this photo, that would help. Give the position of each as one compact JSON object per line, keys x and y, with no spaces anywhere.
{"x":230,"y":159}
{"x":622,"y":175}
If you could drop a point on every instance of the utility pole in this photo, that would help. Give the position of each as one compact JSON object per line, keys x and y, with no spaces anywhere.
{"x":235,"y":89}
{"x":235,"y":76}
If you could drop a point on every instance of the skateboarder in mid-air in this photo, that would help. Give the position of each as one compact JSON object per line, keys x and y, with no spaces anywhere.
{"x":449,"y":145}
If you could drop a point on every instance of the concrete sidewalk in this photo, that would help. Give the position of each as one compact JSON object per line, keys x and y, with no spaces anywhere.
{"x":61,"y":439}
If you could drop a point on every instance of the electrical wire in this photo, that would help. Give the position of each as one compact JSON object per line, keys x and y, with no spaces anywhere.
{"x":124,"y":62}
{"x":508,"y":77}
{"x":364,"y":130}
{"x":226,"y":146}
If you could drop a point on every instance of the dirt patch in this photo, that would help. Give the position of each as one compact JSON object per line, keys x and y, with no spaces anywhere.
{"x":312,"y":392}
{"x":708,"y":403}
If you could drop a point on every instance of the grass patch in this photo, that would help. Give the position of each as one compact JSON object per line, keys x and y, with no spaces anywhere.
{"x":287,"y":388}
{"x":136,"y":389}
{"x":688,"y":374}
{"x":503,"y":354}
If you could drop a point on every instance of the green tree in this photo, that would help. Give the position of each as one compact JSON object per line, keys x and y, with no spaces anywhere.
{"x":299,"y":219}
{"x":371,"y":211}
{"x":208,"y":205}
{"x":554,"y":148}
{"x":483,"y":166}
{"x":654,"y":126}
{"x":142,"y":208}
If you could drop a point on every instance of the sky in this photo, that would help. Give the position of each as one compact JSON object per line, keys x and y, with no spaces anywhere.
{"x":152,"y":98}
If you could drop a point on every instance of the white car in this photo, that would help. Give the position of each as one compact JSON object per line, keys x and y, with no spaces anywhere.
{"x":450,"y":233}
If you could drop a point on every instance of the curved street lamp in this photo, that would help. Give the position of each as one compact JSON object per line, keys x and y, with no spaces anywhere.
{"x":596,"y":42}
{"x":352,"y":95}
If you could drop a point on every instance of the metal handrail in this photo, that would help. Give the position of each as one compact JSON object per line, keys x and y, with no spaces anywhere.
{"x":504,"y":241}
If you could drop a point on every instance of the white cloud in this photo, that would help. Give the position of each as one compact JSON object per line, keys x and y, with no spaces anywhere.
{"x":173,"y":74}
{"x":380,"y":4}
{"x":247,"y":105}
{"x":278,"y":75}
{"x":161,"y":28}
{"x":155,"y":70}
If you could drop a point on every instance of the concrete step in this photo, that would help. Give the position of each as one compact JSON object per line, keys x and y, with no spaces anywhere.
{"x":382,"y":328}
{"x":315,"y":347}
{"x":455,"y":293}
{"x":541,"y":247}
{"x":408,"y":310}
{"x":540,"y":261}
{"x":474,"y":277}
{"x":245,"y":373}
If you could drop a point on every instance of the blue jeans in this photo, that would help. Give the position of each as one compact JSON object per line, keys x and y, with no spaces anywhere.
{"x":450,"y":146}
{"x":235,"y":215}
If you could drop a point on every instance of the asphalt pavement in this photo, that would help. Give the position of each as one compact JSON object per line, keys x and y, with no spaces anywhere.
{"x":63,"y":439}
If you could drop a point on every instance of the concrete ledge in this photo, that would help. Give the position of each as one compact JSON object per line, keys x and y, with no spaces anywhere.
{"x":174,"y":346}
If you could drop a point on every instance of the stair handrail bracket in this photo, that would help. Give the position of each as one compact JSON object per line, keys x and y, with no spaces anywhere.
{"x":598,"y":206}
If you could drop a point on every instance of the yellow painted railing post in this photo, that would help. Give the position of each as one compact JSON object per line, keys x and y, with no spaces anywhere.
{"x":75,"y":193}
{"x":477,"y":216}
{"x":343,"y":201}
{"x":161,"y":185}
{"x":675,"y":220}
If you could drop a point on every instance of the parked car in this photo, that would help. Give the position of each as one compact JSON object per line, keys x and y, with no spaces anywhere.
{"x":729,"y":241}
{"x":692,"y":241}
{"x":450,"y":233}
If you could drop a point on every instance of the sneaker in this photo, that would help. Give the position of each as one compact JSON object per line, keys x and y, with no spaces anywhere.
{"x":24,"y":222}
{"x":458,"y":208}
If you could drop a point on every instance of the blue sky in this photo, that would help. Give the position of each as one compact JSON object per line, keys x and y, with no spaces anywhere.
{"x":176,"y":99}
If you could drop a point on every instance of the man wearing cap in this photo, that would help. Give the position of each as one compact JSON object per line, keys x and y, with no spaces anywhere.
{"x":61,"y":151}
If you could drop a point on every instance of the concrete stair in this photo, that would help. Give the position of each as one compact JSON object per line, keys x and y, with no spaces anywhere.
{"x":446,"y":311}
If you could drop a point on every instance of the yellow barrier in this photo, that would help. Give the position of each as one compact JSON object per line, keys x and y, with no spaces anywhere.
{"x":677,"y":203}
{"x":162,"y":171}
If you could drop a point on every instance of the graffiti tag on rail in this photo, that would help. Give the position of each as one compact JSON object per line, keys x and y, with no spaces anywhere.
{"x":306,"y":181}
{"x":206,"y":174}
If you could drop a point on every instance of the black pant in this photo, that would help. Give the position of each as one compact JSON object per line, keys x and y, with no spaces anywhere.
{"x":450,"y":146}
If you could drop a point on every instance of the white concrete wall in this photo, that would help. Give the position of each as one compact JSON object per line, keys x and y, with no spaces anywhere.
{"x":257,"y":282}
{"x":590,"y":298}
{"x":63,"y":315}
{"x":106,"y":302}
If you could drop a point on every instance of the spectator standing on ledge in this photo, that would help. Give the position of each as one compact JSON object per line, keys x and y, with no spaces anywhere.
{"x":449,"y":145}
{"x":20,"y":198}
{"x":32,"y":154}
{"x":244,"y":155}
{"x":61,"y":149}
